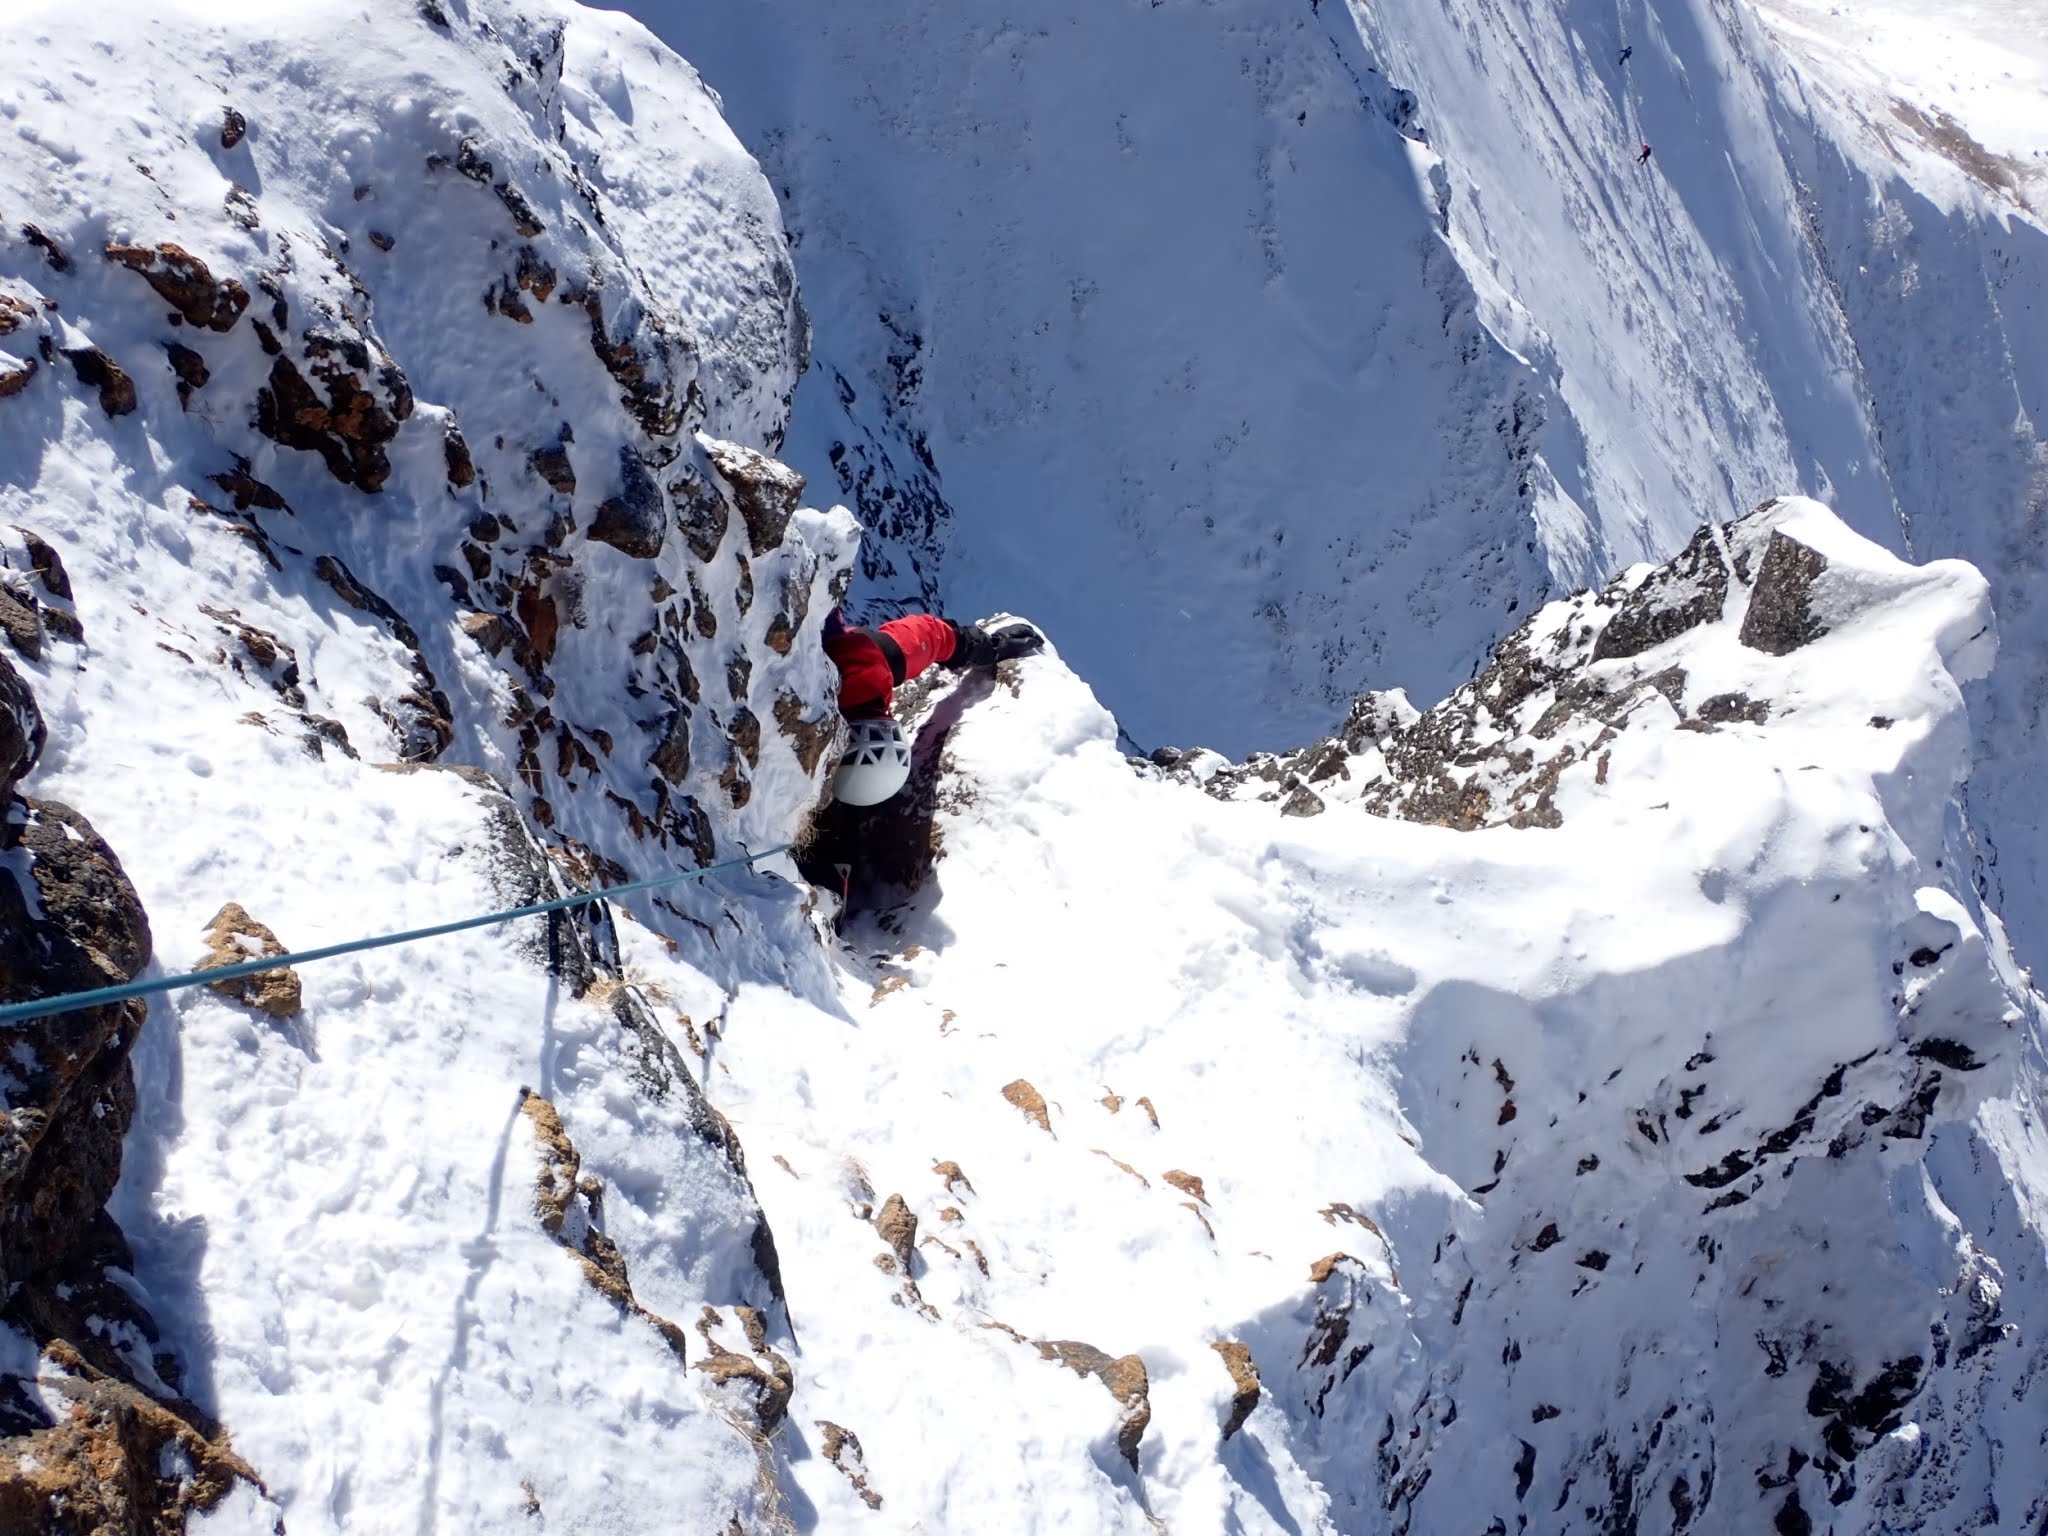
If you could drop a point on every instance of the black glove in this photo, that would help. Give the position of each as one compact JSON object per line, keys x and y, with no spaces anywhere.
{"x":974,"y":646}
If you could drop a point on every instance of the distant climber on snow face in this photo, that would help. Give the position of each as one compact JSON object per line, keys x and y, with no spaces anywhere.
{"x":1643,"y":153}
{"x":1631,"y":48}
{"x":873,"y":661}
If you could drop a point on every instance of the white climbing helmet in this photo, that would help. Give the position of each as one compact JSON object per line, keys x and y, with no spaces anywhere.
{"x":875,"y":764}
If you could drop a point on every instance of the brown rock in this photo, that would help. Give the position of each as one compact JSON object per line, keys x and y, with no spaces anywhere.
{"x":808,"y":737}
{"x":633,"y":520}
{"x":14,"y":314}
{"x":53,"y":253}
{"x":15,"y":375}
{"x":488,"y":630}
{"x":569,"y":1205}
{"x":232,"y":128}
{"x":185,"y":282}
{"x":190,"y":368}
{"x":1327,"y":1265}
{"x":1028,"y":1099}
{"x":898,"y":1225}
{"x":367,"y":398}
{"x":98,"y":371}
{"x":1186,"y":1183}
{"x":233,"y":936}
{"x":1127,"y":1168}
{"x":455,"y":450}
{"x":1124,"y":1376}
{"x":540,"y":618}
{"x":671,"y":757}
{"x":1150,"y":1113}
{"x":950,"y":1172}
{"x":552,"y":465}
{"x":842,"y":1449}
{"x":765,"y":492}
{"x":1244,"y":1376}
{"x":763,"y":1375}
{"x":116,"y":1462}
{"x":20,"y":624}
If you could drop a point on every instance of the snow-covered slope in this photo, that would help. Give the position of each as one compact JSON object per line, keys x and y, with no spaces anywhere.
{"x":372,"y":376}
{"x":1588,"y":1170}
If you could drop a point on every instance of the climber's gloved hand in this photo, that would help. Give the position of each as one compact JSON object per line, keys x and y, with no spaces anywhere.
{"x":1007,"y":639}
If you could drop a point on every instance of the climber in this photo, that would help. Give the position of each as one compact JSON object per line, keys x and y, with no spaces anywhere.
{"x":873,"y":661}
{"x":1631,"y":48}
{"x":1643,"y":153}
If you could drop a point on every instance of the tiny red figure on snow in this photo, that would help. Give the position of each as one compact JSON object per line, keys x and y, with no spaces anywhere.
{"x":1643,"y":153}
{"x":873,"y":661}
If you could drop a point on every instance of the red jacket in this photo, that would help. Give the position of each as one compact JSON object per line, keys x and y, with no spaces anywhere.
{"x":873,"y":661}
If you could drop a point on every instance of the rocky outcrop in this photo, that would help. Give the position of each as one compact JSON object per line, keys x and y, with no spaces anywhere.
{"x":842,"y":1449}
{"x":97,"y":371}
{"x":765,"y":492}
{"x":633,"y":519}
{"x":1780,"y":618}
{"x":420,"y":717}
{"x":233,"y":937}
{"x":117,"y":1451}
{"x":1552,"y":699}
{"x":1244,"y":1382}
{"x":114,"y":1462}
{"x":347,"y":412}
{"x":1030,"y":1101}
{"x":756,"y":1379}
{"x":184,"y":282}
{"x":570,"y":1205}
{"x":1124,"y":1376}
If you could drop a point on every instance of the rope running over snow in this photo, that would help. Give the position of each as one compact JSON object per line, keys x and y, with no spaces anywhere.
{"x":70,"y":1002}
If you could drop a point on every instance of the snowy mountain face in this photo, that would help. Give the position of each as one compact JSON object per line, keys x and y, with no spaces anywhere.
{"x":1603,"y":1099}
{"x":1275,"y":350}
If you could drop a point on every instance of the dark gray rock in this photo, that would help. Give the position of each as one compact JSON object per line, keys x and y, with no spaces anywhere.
{"x":1781,"y":618}
{"x":22,"y":734}
{"x":634,"y":521}
{"x":1679,"y":596}
{"x":765,"y":492}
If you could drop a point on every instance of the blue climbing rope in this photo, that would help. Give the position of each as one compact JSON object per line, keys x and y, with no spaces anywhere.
{"x":70,"y":1002}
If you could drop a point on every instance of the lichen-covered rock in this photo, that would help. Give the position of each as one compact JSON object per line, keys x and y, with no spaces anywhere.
{"x":232,"y":937}
{"x":114,"y":1462}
